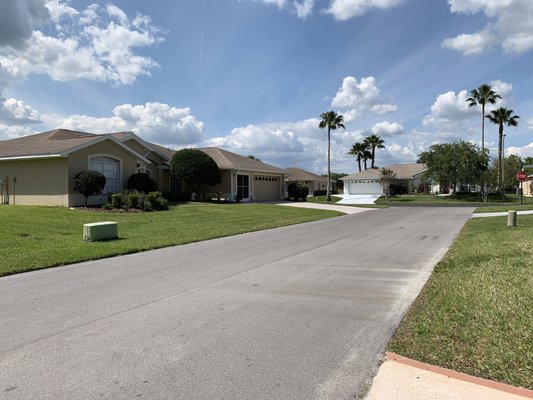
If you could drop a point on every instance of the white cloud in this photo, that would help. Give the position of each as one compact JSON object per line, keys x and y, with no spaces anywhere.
{"x":16,"y":112}
{"x":523,"y":151}
{"x":84,"y":46}
{"x":343,"y":10}
{"x":355,"y":98}
{"x":302,"y":8}
{"x":530,"y":123}
{"x":156,"y":122}
{"x":509,"y":25}
{"x":450,"y":108}
{"x":387,"y":128}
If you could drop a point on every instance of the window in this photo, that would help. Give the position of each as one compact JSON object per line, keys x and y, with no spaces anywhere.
{"x":110,"y":168}
{"x":243,"y":187}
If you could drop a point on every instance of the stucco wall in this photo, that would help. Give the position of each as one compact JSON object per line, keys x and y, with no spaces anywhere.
{"x":38,"y":182}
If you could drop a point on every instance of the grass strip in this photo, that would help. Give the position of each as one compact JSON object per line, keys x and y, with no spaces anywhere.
{"x":475,"y":313}
{"x":35,"y":237}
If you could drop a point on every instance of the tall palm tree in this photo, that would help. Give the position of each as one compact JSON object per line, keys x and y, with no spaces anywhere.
{"x":502,"y":116}
{"x":481,"y":96}
{"x":358,"y":151}
{"x":332,"y":121}
{"x":367,"y":155}
{"x":374,"y":142}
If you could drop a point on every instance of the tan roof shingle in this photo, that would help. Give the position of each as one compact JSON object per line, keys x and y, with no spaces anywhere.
{"x":228,"y":160}
{"x":301,"y":175}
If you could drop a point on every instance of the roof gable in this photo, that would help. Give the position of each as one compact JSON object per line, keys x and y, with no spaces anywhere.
{"x":228,"y":160}
{"x":298,"y":174}
{"x":402,"y":171}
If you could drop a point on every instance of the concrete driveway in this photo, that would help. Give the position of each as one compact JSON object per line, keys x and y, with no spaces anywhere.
{"x":301,"y":312}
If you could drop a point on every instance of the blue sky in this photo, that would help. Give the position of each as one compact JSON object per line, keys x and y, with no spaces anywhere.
{"x":253,"y":76}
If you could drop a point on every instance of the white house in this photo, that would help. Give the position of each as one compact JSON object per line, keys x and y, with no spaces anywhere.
{"x":367,"y":182}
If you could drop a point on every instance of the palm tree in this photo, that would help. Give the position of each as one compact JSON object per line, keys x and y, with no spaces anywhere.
{"x":374,"y":142}
{"x":502,"y":116}
{"x":367,"y":155}
{"x":332,"y":121}
{"x":481,"y":96}
{"x":358,"y":151}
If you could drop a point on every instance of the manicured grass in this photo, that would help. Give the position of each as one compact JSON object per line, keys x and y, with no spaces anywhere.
{"x":33,"y":237}
{"x":475,"y":313}
{"x":468,"y":199}
{"x":516,"y":207}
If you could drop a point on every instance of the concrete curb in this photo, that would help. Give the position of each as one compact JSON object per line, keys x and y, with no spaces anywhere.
{"x":461,"y":376}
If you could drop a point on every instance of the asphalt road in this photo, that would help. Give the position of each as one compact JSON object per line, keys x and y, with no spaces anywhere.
{"x":300,"y":312}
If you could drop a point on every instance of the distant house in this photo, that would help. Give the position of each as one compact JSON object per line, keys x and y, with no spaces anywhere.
{"x":527,"y":186}
{"x":313,"y":181}
{"x":409,"y":176}
{"x":245,"y":179}
{"x":39,"y":169}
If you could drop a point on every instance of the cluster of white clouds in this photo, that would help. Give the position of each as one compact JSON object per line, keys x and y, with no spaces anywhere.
{"x":96,"y":43}
{"x":509,"y":25}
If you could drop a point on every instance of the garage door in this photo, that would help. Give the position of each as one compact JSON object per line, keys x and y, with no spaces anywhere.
{"x":266,"y":188}
{"x":365,"y":187}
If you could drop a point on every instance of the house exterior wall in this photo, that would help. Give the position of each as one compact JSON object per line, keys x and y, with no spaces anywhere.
{"x":224,"y":187}
{"x":38,"y":182}
{"x":527,"y":187}
{"x":261,"y":189}
{"x":79,"y":161}
{"x":158,"y":169}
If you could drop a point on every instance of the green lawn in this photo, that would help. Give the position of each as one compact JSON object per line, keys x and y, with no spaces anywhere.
{"x":33,"y":237}
{"x":475,"y":314}
{"x":468,"y":199}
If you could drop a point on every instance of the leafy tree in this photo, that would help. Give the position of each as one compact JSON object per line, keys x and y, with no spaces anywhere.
{"x":502,"y":116}
{"x":89,"y":183}
{"x":481,"y":96}
{"x":194,"y":168}
{"x":451,"y":163}
{"x":142,"y":182}
{"x":386,"y":178}
{"x":332,"y":121}
{"x":252,"y":157}
{"x":374,"y":142}
{"x":511,"y":165}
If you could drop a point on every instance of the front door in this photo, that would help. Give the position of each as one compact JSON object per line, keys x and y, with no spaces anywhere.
{"x":243,"y":187}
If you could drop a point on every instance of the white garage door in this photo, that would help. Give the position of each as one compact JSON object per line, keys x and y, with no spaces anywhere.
{"x":365,"y":187}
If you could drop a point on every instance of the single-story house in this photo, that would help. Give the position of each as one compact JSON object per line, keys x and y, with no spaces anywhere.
{"x":368,"y":181}
{"x":39,"y":169}
{"x":245,"y":179}
{"x":527,"y":186}
{"x":312,"y":181}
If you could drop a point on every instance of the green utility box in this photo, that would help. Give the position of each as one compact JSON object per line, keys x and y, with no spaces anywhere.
{"x":100,"y":231}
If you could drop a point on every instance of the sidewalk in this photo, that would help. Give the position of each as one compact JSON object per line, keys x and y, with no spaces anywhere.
{"x":500,"y":214}
{"x":400,"y":378}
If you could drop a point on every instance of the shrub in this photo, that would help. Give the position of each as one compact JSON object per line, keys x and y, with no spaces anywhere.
{"x":133,"y":200}
{"x":107,"y":206}
{"x":89,"y":183}
{"x":155,"y":201}
{"x":116,"y":200}
{"x":181,"y":196}
{"x":195,"y":168}
{"x":142,"y":182}
{"x":298,"y":190}
{"x":320,"y":192}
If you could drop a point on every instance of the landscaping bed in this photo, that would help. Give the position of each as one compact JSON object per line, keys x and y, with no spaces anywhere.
{"x":475,"y":313}
{"x":35,"y":237}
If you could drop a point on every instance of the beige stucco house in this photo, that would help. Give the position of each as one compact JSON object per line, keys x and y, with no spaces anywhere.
{"x":313,"y":181}
{"x":245,"y":179}
{"x":39,"y":169}
{"x":367,"y":182}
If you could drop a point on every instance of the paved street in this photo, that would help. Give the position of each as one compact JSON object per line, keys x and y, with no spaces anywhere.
{"x":300,"y":312}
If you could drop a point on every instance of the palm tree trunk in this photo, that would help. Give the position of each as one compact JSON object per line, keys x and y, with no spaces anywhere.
{"x":365,"y":164}
{"x":359,"y":163}
{"x":482,"y":127}
{"x":373,"y":155}
{"x":500,"y":148}
{"x":328,"y":193}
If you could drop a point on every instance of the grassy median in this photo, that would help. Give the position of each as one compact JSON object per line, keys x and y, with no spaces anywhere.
{"x":33,"y":237}
{"x":475,"y":315}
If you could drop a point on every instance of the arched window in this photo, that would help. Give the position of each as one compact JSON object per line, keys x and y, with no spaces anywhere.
{"x":110,"y":168}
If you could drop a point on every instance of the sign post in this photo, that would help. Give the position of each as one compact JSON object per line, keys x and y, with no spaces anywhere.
{"x":521,"y":176}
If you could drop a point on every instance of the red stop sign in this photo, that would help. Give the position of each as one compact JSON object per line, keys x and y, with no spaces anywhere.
{"x":521,"y":176}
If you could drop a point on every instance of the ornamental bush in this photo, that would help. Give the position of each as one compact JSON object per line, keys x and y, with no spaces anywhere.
{"x":298,"y":190}
{"x":155,"y":201}
{"x":194,"y":168}
{"x":89,"y":183}
{"x":116,"y":200}
{"x":142,"y":182}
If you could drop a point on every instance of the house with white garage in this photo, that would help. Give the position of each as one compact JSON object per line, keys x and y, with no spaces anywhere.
{"x":408,"y":177}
